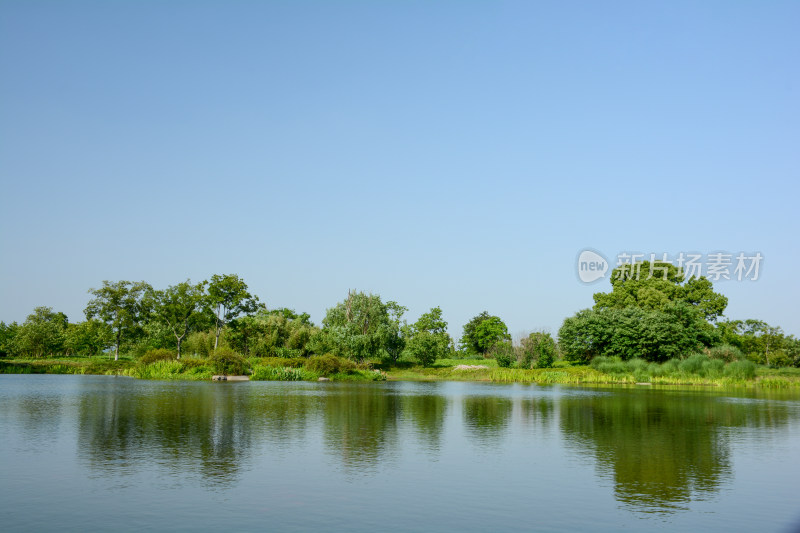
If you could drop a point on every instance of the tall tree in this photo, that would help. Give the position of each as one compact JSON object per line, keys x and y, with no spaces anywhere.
{"x":178,"y":306}
{"x":120,"y":305}
{"x":228,"y":298}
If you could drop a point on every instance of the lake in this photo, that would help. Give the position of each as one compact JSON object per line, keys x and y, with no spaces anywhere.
{"x":109,"y":453}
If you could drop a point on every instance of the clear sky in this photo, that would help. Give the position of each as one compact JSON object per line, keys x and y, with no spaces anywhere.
{"x":458,"y":154}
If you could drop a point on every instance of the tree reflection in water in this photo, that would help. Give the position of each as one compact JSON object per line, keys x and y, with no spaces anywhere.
{"x":663,"y":449}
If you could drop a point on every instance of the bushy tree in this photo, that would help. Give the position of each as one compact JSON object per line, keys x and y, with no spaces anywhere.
{"x":504,"y":353}
{"x":428,"y":338}
{"x":678,"y":330}
{"x":483,"y":332}
{"x":361,"y":326}
{"x":656,"y":286}
{"x":41,"y":334}
{"x":537,"y":350}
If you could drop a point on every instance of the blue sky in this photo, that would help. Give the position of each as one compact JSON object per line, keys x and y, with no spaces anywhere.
{"x":458,"y":154}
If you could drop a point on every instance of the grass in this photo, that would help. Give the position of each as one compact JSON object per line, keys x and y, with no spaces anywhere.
{"x":693,"y":370}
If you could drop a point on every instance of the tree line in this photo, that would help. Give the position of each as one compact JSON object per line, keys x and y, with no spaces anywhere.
{"x":653,"y":319}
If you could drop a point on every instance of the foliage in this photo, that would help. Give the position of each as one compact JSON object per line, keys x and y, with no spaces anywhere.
{"x":538,"y":350}
{"x":696,"y":365}
{"x":120,"y":305}
{"x":158,"y":354}
{"x":503,"y":353}
{"x":7,"y":334}
{"x":426,"y":347}
{"x":362,"y":327}
{"x":201,"y":343}
{"x":725,"y":352}
{"x":179,"y":308}
{"x":428,"y":339}
{"x":657,"y":286}
{"x":761,"y":342}
{"x":228,"y":298}
{"x":329,"y":364}
{"x":90,"y":337}
{"x":227,"y":362}
{"x":279,"y":333}
{"x":632,"y":332}
{"x":41,"y":334}
{"x":482,"y":332}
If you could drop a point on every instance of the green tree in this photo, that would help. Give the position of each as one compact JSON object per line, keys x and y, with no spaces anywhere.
{"x":179,"y":306}
{"x":483,"y":332}
{"x":362,"y":326}
{"x":279,"y":332}
{"x":656,"y":286}
{"x":228,"y":298}
{"x":677,"y":331}
{"x":428,"y":338}
{"x":42,"y":333}
{"x":538,"y":349}
{"x":121,"y":305}
{"x":90,"y":337}
{"x":7,"y":334}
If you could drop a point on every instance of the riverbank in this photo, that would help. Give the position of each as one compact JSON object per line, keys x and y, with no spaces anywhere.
{"x":276,"y":369}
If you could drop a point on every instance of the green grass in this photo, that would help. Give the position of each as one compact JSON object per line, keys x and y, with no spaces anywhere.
{"x":693,"y":370}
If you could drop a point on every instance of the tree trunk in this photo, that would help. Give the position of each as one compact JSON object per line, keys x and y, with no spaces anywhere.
{"x":116,"y":346}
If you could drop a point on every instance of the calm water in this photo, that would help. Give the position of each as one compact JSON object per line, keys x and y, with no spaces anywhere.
{"x":106,"y":453}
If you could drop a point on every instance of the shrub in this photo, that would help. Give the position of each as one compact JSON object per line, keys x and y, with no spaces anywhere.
{"x":609,"y":365}
{"x":713,"y":368}
{"x":329,"y":364}
{"x":726,"y":353}
{"x":504,"y":354}
{"x":226,"y":361}
{"x":693,"y":364}
{"x":157,"y":354}
{"x":538,"y":349}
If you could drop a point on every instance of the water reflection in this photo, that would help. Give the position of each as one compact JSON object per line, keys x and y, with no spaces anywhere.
{"x":662,"y":449}
{"x":361,"y":425}
{"x":426,"y":414}
{"x":486,"y":419}
{"x":183,"y":428}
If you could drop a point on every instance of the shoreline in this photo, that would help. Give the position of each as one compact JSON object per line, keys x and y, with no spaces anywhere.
{"x":448,"y":370}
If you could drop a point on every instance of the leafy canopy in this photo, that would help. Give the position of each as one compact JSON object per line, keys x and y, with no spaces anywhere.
{"x":363,"y":326}
{"x":483,"y":332}
{"x":656,"y":286}
{"x":428,"y":338}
